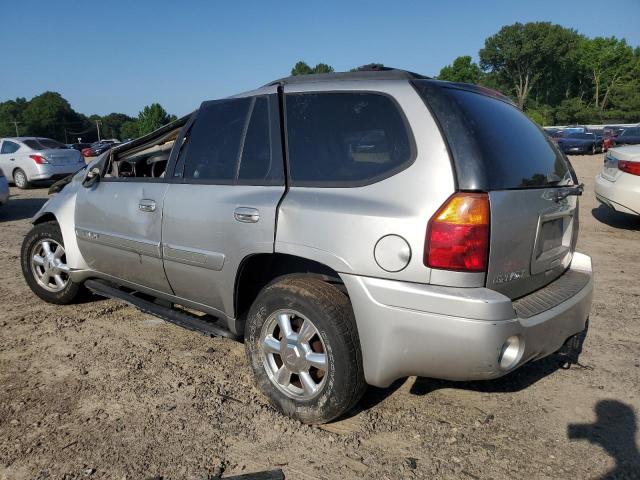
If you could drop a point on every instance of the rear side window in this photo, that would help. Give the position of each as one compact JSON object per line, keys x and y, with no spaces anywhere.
{"x":493,"y":144}
{"x":345,"y":139}
{"x":9,"y":147}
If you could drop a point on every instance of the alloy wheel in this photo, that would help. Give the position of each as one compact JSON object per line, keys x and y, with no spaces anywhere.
{"x":49,"y":267}
{"x":294,"y":354}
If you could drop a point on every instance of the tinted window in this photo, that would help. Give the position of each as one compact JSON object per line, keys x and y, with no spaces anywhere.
{"x":583,"y":136}
{"x":9,"y":147}
{"x":214,"y":141}
{"x":344,"y":139}
{"x":48,"y":143}
{"x":33,"y":144}
{"x":493,"y":144}
{"x":255,"y":164}
{"x":630,"y":132}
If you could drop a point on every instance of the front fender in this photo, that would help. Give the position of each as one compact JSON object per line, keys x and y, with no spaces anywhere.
{"x":62,"y":208}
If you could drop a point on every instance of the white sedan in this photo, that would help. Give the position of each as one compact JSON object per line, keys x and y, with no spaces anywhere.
{"x":618,"y":184}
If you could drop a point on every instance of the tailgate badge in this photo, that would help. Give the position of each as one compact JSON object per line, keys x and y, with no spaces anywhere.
{"x":505,"y":277}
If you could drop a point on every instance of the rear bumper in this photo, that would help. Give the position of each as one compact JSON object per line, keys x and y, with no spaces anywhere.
{"x":54,"y":172}
{"x":455,"y":333}
{"x":623,"y":195}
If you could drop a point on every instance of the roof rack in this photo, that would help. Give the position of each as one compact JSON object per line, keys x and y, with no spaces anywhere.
{"x":375,"y":73}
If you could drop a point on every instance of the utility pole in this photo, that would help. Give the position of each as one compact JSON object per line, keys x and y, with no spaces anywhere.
{"x":66,"y":140}
{"x":98,"y":127}
{"x":15,"y":124}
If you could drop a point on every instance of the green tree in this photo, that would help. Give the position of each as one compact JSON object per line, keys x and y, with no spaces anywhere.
{"x":111,"y":125}
{"x":129,"y":130}
{"x":606,"y":61}
{"x":153,"y":117}
{"x":463,"y":69}
{"x":302,"y":68}
{"x":48,"y":115}
{"x":527,"y":56}
{"x":11,"y":111}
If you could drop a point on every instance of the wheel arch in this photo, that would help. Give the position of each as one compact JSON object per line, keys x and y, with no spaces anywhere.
{"x":258,"y":270}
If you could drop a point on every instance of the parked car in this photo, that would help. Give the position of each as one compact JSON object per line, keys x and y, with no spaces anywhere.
{"x":629,"y":136}
{"x":388,"y":234}
{"x":618,"y":184}
{"x":27,"y":160}
{"x":102,"y":146}
{"x":580,"y":143}
{"x":612,"y":131}
{"x":78,"y":146}
{"x":4,"y":189}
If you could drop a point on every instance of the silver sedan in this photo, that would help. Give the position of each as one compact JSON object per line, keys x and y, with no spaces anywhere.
{"x":26,"y":160}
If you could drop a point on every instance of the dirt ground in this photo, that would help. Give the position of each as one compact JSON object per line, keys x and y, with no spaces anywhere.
{"x":100,"y":390}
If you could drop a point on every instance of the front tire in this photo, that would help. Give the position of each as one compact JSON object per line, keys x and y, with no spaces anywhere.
{"x":303,"y":345}
{"x":20,"y":179}
{"x":44,"y":266}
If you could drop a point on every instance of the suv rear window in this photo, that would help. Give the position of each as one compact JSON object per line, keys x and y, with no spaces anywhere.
{"x":342,"y":139}
{"x":494,"y":145}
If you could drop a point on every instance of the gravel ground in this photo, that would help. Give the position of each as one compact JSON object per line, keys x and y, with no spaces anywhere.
{"x":100,"y":390}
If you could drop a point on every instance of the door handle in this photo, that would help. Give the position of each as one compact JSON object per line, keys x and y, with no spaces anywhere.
{"x":246,"y":214}
{"x":12,"y":159}
{"x":147,"y":206}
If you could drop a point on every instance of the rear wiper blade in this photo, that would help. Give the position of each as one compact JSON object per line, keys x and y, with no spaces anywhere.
{"x":564,"y":192}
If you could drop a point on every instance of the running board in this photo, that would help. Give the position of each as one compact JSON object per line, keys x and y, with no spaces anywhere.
{"x":182,"y":319}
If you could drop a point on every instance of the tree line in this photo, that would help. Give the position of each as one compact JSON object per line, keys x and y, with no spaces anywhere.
{"x":50,"y":115}
{"x":555,"y":74}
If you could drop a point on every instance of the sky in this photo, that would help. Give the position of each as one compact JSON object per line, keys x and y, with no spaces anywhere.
{"x":119,"y":56}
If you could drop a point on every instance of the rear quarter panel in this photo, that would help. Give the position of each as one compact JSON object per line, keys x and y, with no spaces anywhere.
{"x":341,"y":226}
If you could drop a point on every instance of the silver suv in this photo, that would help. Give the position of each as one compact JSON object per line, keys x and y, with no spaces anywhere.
{"x":353,"y":228}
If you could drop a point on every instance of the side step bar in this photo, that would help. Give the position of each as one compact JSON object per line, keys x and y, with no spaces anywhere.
{"x":182,"y":319}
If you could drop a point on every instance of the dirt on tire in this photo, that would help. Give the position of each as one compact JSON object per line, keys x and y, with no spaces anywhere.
{"x":100,"y":390}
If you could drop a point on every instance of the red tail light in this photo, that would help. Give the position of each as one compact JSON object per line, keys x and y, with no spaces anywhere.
{"x":39,"y":159}
{"x":629,"y":167}
{"x":458,"y":234}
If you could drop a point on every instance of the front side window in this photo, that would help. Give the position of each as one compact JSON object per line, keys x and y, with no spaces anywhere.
{"x":342,"y":139}
{"x":214,"y":141}
{"x":231,"y":142}
{"x":9,"y":147}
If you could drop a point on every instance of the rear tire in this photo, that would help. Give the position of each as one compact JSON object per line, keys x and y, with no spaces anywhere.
{"x":43,"y":261}
{"x":20,"y":179}
{"x":314,"y":372}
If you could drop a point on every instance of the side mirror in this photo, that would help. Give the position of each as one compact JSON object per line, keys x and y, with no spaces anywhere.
{"x":92,"y":177}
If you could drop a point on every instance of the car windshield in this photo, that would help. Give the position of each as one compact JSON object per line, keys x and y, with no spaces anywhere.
{"x":583,"y":136}
{"x":630,"y":131}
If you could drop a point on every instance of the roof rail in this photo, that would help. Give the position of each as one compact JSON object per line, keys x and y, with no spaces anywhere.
{"x":374,"y":73}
